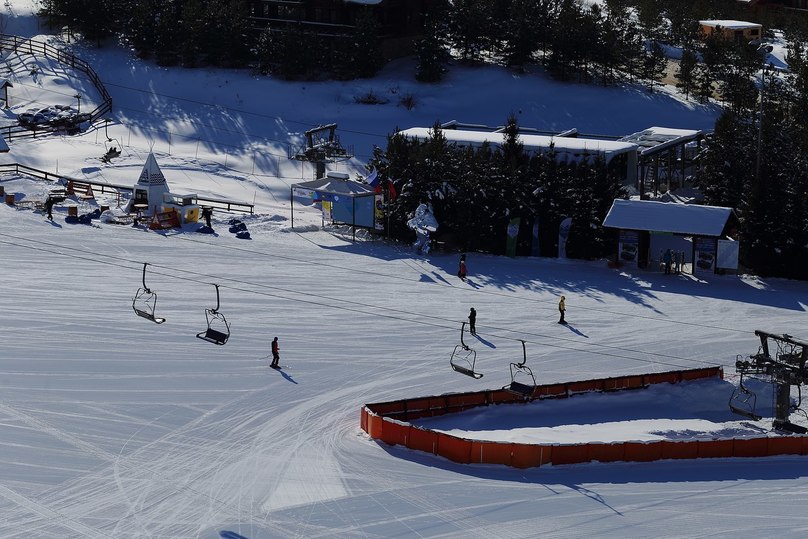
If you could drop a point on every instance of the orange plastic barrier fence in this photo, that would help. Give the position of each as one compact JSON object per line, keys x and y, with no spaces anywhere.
{"x":642,"y":452}
{"x":454,"y":448}
{"x":375,"y":425}
{"x":750,"y":447}
{"x":490,"y":452}
{"x":715,"y":449}
{"x":661,"y":378}
{"x":374,"y":420}
{"x":785,"y":445}
{"x":679,"y":450}
{"x":395,"y":433}
{"x":603,"y":452}
{"x":423,"y":440}
{"x":584,"y":386}
{"x":530,"y":455}
{"x":570,"y":454}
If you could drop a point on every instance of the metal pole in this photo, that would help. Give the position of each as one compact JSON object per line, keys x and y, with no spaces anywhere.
{"x":292,"y":204}
{"x":760,"y":123}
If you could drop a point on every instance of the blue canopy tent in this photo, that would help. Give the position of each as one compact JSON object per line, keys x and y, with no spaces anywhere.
{"x":347,"y":201}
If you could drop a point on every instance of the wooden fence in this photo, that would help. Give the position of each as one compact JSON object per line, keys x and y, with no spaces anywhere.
{"x":105,"y":187}
{"x":24,"y":45}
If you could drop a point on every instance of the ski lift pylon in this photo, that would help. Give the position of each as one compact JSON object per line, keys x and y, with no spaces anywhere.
{"x":464,"y":358}
{"x":145,"y":301}
{"x":523,"y":383}
{"x":218,"y":330}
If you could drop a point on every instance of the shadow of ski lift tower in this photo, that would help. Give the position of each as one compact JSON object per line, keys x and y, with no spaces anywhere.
{"x":322,"y":146}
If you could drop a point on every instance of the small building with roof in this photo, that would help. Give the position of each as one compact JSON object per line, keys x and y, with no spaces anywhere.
{"x":341,"y":200}
{"x":151,"y":195}
{"x":666,"y":157}
{"x":567,"y":146}
{"x":705,"y":237}
{"x":741,"y":31}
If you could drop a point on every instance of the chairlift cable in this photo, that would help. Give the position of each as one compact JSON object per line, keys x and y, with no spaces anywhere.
{"x":359,"y":307}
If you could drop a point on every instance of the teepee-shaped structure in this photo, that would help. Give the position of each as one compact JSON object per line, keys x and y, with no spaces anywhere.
{"x":147,"y":195}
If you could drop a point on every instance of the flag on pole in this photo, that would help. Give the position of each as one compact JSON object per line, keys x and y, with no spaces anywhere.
{"x":392,"y":190}
{"x":373,"y":178}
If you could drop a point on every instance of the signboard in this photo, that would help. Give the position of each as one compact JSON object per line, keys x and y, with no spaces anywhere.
{"x":627,"y":247}
{"x":704,"y":260}
{"x":727,"y":254}
{"x":378,"y":212}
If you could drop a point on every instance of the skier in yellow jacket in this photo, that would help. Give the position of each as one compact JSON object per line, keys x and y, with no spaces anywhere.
{"x":562,"y":307}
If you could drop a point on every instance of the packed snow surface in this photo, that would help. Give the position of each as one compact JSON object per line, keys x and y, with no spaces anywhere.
{"x":112,"y":426}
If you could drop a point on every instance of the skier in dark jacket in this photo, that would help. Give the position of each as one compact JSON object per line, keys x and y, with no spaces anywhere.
{"x":49,"y":207}
{"x":472,"y":321}
{"x":207,"y":212}
{"x":276,"y":353}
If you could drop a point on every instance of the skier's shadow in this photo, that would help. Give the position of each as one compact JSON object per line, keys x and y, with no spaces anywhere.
{"x":576,"y":330}
{"x":54,"y":223}
{"x":289,"y":378}
{"x":489,"y":344}
{"x":471,"y":283}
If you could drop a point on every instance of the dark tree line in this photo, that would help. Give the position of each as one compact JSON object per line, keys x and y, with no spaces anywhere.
{"x":475,"y":192}
{"x":181,"y":32}
{"x":757,"y":163}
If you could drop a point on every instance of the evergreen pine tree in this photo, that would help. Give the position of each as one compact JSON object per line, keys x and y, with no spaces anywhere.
{"x":431,"y":52}
{"x":686,"y":73}
{"x":366,"y":49}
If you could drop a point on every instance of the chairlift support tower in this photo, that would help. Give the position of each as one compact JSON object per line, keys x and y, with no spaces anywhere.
{"x":785,"y":368}
{"x":322,"y":146}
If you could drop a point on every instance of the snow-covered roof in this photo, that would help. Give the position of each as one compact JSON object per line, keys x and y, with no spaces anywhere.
{"x":336,"y":185}
{"x":656,"y":138}
{"x":668,"y":217}
{"x":567,"y":146}
{"x":731,"y":24}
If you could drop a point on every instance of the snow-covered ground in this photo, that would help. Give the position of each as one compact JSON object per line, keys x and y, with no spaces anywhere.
{"x":114,"y":427}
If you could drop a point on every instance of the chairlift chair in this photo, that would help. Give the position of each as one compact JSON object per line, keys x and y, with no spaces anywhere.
{"x":463,"y":358}
{"x":218,"y":330}
{"x":743,"y":401}
{"x":145,"y":301}
{"x":523,"y":383}
{"x":111,"y":150}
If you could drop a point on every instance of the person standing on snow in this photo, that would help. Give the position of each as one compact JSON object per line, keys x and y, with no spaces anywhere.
{"x":667,"y":258}
{"x":49,"y":207}
{"x":473,"y":321}
{"x":562,"y":308}
{"x":276,"y":353}
{"x":461,"y":272}
{"x":207,"y":212}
